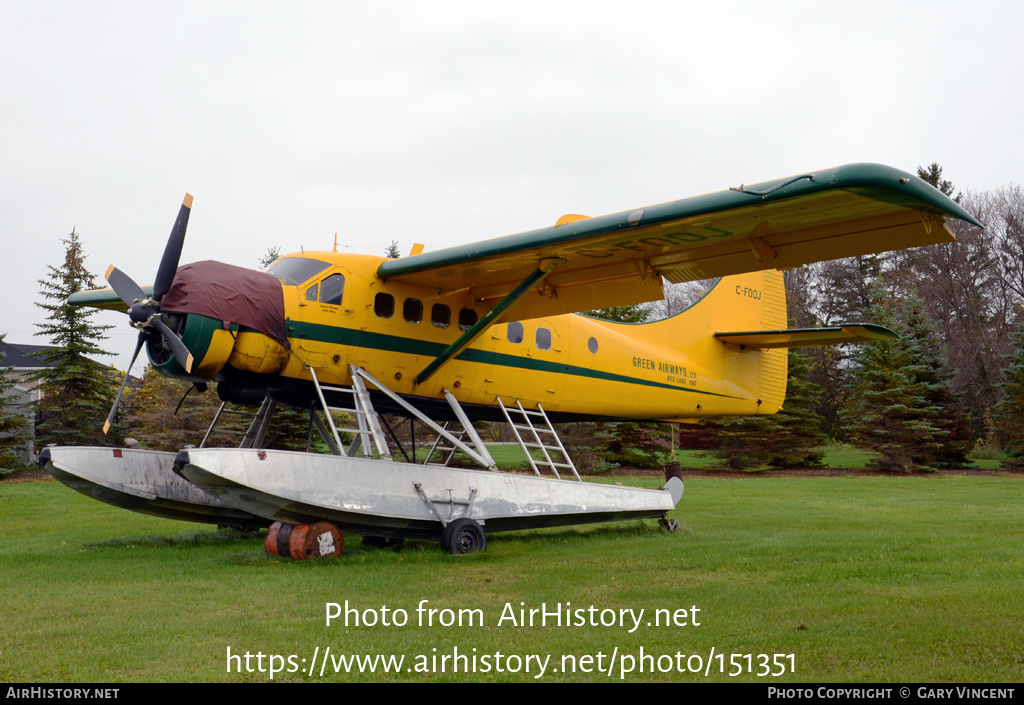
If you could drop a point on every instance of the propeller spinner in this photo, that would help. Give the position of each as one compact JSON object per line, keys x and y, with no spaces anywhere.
{"x":144,"y":311}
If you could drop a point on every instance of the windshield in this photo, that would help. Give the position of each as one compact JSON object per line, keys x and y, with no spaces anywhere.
{"x":295,"y":270}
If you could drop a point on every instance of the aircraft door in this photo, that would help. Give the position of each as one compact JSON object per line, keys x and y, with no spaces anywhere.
{"x":323,"y":307}
{"x":535,"y":371}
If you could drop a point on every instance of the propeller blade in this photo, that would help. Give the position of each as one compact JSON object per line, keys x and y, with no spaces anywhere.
{"x":177,"y":347}
{"x":124,"y":286}
{"x":172,"y":252}
{"x":117,"y":399}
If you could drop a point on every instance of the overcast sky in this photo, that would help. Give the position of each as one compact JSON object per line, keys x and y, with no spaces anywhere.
{"x":448,"y":122}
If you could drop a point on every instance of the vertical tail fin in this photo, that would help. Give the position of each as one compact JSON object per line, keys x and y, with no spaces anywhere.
{"x":754,"y":301}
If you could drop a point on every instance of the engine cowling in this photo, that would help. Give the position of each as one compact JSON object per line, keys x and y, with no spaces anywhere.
{"x":207,"y":339}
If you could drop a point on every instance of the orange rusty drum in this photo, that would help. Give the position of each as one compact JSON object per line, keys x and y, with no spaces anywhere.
{"x":276,"y":542}
{"x":319,"y":540}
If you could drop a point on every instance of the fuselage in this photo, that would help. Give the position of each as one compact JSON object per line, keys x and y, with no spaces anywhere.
{"x":339,"y":313}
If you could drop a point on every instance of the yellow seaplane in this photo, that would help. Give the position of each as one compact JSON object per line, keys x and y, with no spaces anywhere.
{"x":488,"y":331}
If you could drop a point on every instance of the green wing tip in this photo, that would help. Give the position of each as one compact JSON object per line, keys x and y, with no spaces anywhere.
{"x":874,"y":331}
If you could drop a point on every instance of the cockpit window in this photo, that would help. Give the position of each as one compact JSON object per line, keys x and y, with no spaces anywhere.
{"x":295,"y":270}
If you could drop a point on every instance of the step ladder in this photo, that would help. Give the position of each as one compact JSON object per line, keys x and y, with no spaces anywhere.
{"x":540,"y":434}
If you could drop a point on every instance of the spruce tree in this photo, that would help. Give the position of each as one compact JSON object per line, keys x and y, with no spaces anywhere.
{"x":634,"y":313}
{"x":13,"y":424}
{"x":742,"y":441}
{"x":898,"y":408}
{"x":798,"y":435}
{"x":1008,"y":414}
{"x":77,"y":392}
{"x":269,"y":257}
{"x":933,"y":175}
{"x":789,"y":438}
{"x":953,"y":426}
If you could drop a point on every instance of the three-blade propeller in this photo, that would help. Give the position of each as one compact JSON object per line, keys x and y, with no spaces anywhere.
{"x":144,"y":311}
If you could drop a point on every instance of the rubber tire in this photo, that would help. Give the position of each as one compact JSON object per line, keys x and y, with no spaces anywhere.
{"x":464,"y":536}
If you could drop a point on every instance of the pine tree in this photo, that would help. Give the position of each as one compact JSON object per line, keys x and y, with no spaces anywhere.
{"x":269,"y":257}
{"x":392,"y":250}
{"x":1008,"y":414}
{"x":13,"y":424}
{"x":77,"y":392}
{"x":789,"y":438}
{"x":953,"y":426}
{"x":634,"y":313}
{"x":636,"y":444}
{"x":741,"y":441}
{"x":933,"y":175}
{"x":897,"y":408}
{"x":798,"y":434}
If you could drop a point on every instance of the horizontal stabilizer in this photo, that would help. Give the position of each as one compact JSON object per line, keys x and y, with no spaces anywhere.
{"x":803,"y":337}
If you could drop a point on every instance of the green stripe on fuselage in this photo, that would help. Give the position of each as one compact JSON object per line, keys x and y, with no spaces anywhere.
{"x":414,"y":346}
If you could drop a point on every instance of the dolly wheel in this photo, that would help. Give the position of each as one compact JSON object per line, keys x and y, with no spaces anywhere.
{"x":463,"y":536}
{"x":667,"y":524}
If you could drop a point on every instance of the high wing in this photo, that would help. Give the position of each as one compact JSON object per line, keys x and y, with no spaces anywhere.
{"x":613,"y":260}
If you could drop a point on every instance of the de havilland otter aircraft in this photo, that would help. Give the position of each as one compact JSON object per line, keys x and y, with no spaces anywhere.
{"x":487,"y":331}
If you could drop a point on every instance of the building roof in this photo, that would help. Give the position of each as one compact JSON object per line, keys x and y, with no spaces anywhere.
{"x":20,"y":356}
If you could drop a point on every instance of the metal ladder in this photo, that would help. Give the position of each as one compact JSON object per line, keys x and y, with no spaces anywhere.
{"x":535,"y":440}
{"x":447,"y":451}
{"x":368,"y":435}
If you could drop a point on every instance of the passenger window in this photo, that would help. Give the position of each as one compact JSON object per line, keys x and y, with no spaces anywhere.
{"x":384,"y":305}
{"x":331,"y":289}
{"x":467,"y":317}
{"x":311,"y":293}
{"x":592,"y":345}
{"x":412,"y":310}
{"x":543,"y":339}
{"x":515,"y":332}
{"x":441,"y":316}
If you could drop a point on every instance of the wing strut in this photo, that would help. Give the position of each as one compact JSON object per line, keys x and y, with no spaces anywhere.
{"x":490,"y":318}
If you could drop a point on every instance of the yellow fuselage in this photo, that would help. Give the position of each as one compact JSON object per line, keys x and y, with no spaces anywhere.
{"x":572,"y":365}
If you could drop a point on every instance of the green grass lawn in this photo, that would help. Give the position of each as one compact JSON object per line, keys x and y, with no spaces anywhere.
{"x":838,"y":455}
{"x":860,"y":578}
